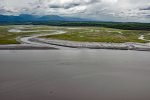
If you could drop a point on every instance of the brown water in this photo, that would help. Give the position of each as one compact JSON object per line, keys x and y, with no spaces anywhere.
{"x":75,"y":75}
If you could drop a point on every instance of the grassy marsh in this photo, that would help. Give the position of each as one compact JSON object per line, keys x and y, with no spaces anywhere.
{"x":100,"y":34}
{"x":81,"y":34}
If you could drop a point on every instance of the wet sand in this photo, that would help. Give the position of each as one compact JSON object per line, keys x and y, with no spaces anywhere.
{"x":25,"y":47}
{"x":95,"y":45}
{"x":74,"y":75}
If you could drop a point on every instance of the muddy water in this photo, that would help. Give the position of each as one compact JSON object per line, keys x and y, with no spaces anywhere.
{"x":74,"y":75}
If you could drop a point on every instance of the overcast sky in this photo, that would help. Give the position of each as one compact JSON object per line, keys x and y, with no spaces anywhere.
{"x":108,"y":10}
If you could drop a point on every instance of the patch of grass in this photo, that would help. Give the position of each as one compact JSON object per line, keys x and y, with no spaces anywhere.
{"x":96,"y":34}
{"x":147,"y":37}
{"x":10,"y":37}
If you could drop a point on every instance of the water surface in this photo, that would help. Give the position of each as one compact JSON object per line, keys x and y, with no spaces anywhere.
{"x":74,"y":75}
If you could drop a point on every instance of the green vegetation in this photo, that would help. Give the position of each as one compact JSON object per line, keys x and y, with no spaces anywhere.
{"x":83,"y":34}
{"x":117,"y":25}
{"x":147,"y":37}
{"x":97,"y":34}
{"x":7,"y":37}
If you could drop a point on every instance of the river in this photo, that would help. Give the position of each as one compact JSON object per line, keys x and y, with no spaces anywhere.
{"x":80,"y":74}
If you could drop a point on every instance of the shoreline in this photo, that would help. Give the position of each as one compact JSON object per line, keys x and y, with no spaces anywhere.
{"x":95,"y":45}
{"x":74,"y":44}
{"x":25,"y":47}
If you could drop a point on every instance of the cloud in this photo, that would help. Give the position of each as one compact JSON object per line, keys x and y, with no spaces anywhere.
{"x":110,"y":10}
{"x":146,"y":8}
{"x":70,"y":3}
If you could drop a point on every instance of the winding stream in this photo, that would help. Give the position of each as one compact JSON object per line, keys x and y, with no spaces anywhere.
{"x":29,"y":39}
{"x":33,"y":40}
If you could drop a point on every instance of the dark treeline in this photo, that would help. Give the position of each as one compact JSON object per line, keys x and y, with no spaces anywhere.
{"x":117,"y":25}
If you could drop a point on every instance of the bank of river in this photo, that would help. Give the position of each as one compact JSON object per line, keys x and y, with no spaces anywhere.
{"x":34,"y":42}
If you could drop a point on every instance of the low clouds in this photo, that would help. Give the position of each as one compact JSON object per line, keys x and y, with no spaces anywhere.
{"x":110,"y":10}
{"x":67,"y":4}
{"x":146,"y":8}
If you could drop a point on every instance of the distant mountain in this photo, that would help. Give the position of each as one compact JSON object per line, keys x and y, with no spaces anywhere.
{"x":29,"y":18}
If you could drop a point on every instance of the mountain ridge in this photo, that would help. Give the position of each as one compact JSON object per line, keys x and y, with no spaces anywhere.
{"x":28,"y":18}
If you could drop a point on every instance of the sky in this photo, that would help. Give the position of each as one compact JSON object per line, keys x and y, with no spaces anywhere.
{"x":103,"y":10}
